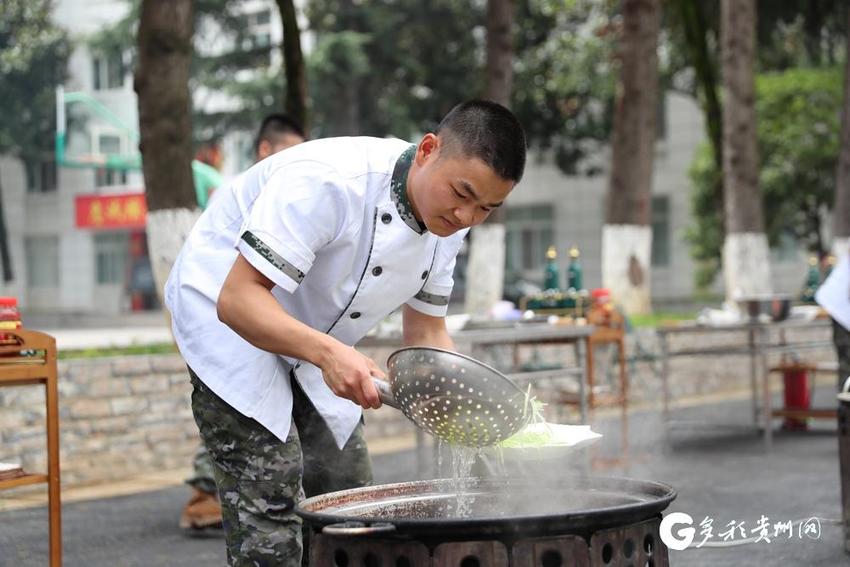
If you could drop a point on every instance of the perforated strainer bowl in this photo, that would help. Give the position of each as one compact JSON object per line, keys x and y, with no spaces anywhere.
{"x":454,"y":397}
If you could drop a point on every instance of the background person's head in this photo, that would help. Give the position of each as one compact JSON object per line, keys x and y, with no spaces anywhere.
{"x":467,"y":167}
{"x":277,"y":132}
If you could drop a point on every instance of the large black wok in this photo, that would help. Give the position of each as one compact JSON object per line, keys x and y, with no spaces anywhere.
{"x":500,"y":507}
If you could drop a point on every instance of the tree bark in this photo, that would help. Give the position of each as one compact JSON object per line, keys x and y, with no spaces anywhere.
{"x":500,"y":51}
{"x":743,"y":209}
{"x":5,"y":256}
{"x":161,"y":82}
{"x":293,"y":62}
{"x":627,"y":239}
{"x":841,"y":210}
{"x":745,"y":256}
{"x":485,"y":272}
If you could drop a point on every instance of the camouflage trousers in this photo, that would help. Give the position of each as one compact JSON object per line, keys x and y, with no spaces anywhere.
{"x":841,"y":338}
{"x":203,"y":477}
{"x":260,"y":478}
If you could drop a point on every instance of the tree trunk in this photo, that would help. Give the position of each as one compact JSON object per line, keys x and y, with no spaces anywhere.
{"x":500,"y":51}
{"x":627,"y":237}
{"x":293,"y":62}
{"x":746,"y":267}
{"x":5,"y":256}
{"x":485,"y":272}
{"x":161,"y":82}
{"x":841,"y":210}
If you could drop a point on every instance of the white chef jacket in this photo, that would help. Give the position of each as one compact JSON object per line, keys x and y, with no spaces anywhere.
{"x":328,"y":221}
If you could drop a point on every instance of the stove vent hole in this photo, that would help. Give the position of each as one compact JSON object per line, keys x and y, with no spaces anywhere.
{"x":470,"y":561}
{"x":403,"y":562}
{"x":371,"y":560}
{"x":628,"y":548}
{"x":340,"y":558}
{"x":607,"y":553}
{"x":551,"y":558}
{"x":648,"y":544}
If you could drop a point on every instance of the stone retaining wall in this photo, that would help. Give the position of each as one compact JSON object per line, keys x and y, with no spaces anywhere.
{"x":122,"y":416}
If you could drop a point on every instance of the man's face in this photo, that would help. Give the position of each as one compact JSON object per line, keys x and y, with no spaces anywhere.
{"x":452,"y":192}
{"x":281,"y":142}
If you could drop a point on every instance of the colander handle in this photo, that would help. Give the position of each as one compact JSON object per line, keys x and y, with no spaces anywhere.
{"x":386,"y":393}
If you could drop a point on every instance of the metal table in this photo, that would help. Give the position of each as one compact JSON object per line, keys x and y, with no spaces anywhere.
{"x":760,"y":341}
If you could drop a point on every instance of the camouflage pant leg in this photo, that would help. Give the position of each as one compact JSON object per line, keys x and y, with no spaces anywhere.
{"x":202,"y":472}
{"x":326,"y":467}
{"x":259,"y":483}
{"x":841,"y":338}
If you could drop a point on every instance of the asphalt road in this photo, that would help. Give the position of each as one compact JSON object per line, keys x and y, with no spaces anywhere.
{"x":726,"y":477}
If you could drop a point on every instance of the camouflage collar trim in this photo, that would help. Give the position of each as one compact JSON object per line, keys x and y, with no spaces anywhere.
{"x":398,"y":190}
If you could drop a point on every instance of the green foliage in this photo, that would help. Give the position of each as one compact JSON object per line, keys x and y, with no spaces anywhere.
{"x":798,"y":129}
{"x":798,"y":138}
{"x":705,"y":234}
{"x":33,"y":58}
{"x":394,"y":67}
{"x":565,"y":78}
{"x":423,"y":58}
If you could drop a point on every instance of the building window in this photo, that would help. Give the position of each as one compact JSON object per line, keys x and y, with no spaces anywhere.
{"x":42,"y":261}
{"x":529,"y":231}
{"x":111,"y":250}
{"x":109,"y":144}
{"x":661,"y":230}
{"x":109,"y":177}
{"x":41,"y":175}
{"x":107,"y":71}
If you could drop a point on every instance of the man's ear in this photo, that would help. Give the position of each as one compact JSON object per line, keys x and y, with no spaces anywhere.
{"x":427,"y":148}
{"x":264,"y":150}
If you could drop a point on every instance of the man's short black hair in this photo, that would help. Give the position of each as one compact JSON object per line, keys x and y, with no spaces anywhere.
{"x":275,"y":125}
{"x":488,"y":131}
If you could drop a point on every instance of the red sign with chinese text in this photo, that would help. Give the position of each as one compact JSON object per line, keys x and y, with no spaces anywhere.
{"x":111,"y":211}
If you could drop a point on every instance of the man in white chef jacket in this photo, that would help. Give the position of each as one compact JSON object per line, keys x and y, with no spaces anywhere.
{"x":291,"y":265}
{"x":277,"y":132}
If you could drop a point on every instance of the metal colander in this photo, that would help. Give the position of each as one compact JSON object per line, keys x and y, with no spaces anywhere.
{"x":454,"y":397}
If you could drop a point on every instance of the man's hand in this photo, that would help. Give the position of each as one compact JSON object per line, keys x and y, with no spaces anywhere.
{"x":348,"y":374}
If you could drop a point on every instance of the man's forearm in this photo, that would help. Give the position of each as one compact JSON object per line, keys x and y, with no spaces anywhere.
{"x":257,"y":317}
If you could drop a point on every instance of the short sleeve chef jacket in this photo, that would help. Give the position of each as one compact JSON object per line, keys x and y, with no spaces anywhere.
{"x":329,"y":222}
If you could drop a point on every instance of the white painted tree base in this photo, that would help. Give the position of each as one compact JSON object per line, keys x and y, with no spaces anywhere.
{"x":626,"y":250}
{"x":746,"y":265}
{"x":485,"y":272}
{"x":841,"y":247}
{"x":167,"y":231}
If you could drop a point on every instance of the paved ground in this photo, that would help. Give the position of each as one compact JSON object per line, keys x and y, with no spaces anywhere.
{"x":724,"y":476}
